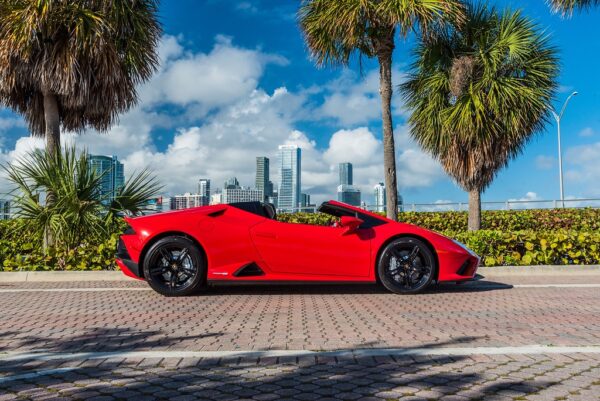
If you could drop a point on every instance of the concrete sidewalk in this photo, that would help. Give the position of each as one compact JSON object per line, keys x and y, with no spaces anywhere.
{"x":489,"y":272}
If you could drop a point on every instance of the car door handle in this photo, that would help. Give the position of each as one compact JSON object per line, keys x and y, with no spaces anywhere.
{"x":265,"y":234}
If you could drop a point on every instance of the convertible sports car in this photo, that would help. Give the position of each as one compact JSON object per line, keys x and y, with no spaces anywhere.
{"x":179,"y":252}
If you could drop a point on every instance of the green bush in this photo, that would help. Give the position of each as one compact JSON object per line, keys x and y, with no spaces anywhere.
{"x":20,"y":249}
{"x":522,"y":248}
{"x":505,"y":220}
{"x":531,"y":237}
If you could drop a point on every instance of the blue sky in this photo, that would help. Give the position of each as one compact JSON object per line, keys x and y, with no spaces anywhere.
{"x":236,"y":81}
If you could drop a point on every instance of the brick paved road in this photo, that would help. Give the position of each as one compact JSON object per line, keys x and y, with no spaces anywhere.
{"x":483,"y":314}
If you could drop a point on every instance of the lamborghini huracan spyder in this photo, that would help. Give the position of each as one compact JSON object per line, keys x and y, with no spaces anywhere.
{"x":180,"y":252}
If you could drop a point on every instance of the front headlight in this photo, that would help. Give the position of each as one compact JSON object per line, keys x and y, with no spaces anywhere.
{"x":463,"y":246}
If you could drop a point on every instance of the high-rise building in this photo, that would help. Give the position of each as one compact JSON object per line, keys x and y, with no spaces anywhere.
{"x":111,"y":171}
{"x":345,"y":173}
{"x":231,"y":183}
{"x":233,"y":195}
{"x":380,"y":198}
{"x":348,"y":194}
{"x":304,"y":200}
{"x":289,"y":177}
{"x":185,"y":201}
{"x":263,"y":182}
{"x":4,"y":209}
{"x":204,"y":190}
{"x":273,"y":199}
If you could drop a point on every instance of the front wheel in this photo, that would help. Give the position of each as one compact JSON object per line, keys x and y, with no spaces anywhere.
{"x":406,"y":266}
{"x":174,"y":266}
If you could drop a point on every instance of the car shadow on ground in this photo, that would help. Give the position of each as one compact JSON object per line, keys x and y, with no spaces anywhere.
{"x":310,"y":377}
{"x":346,"y":288}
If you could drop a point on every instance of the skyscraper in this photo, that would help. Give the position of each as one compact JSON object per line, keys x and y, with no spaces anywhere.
{"x":346,"y":192}
{"x":289,"y":177}
{"x":113,"y":177}
{"x":231,"y":183}
{"x":380,"y":198}
{"x":349,"y":194}
{"x":263,"y":182}
{"x":345,"y":173}
{"x":204,"y":190}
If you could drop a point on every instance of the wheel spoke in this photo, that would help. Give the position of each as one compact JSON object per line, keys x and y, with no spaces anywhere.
{"x":182,"y":255}
{"x":166,"y":255}
{"x":158,"y":270}
{"x":173,"y":279}
{"x":187,"y":272}
{"x":413,"y":254}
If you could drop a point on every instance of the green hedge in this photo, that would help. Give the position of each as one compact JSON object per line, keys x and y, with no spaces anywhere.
{"x":21,"y":250}
{"x":511,"y":220}
{"x":532,"y":237}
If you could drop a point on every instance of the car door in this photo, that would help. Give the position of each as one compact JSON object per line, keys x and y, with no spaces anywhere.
{"x":303,"y":249}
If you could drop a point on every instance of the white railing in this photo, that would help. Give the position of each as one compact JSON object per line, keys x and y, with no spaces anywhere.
{"x":464,"y":206}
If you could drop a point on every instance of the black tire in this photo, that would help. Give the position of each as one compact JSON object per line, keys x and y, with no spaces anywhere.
{"x":174,"y":267}
{"x":406,"y":266}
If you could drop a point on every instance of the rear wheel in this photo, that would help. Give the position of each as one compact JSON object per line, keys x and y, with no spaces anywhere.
{"x":406,"y":266}
{"x":174,"y":266}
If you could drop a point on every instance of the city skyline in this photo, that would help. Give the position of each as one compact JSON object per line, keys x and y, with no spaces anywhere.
{"x":290,"y":159}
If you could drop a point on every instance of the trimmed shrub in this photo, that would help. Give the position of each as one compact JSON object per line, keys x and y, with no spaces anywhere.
{"x":506,"y":220}
{"x":20,"y":249}
{"x":529,"y":237}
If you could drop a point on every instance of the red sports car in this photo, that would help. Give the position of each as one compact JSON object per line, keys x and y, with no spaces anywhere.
{"x":179,"y":252}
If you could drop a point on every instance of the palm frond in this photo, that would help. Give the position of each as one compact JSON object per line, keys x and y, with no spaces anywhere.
{"x":567,"y":7}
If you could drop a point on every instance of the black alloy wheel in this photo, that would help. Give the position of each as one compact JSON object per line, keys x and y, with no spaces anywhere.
{"x":406,"y":266}
{"x":174,"y":266}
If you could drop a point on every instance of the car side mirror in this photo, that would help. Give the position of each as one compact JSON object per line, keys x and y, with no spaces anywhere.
{"x":350,"y":224}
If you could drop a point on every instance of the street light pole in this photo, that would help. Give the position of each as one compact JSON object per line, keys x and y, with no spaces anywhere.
{"x":558,"y":117}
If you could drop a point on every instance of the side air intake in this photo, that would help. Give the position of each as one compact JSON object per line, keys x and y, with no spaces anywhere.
{"x":249,"y":270}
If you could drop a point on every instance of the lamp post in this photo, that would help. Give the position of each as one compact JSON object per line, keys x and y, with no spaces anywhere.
{"x":558,"y":117}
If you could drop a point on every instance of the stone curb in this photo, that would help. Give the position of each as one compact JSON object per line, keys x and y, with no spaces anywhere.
{"x":62,"y":276}
{"x":70,"y":276}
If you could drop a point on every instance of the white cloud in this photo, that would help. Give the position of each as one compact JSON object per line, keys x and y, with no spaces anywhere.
{"x":213,"y":79}
{"x":358,"y":146}
{"x":583,"y":167}
{"x":543,"y":162}
{"x":353,"y":99}
{"x":586,"y":132}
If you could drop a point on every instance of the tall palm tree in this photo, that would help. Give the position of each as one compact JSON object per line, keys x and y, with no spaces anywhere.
{"x":567,"y":7}
{"x":478,"y":93}
{"x":75,"y":63}
{"x":336,"y":30}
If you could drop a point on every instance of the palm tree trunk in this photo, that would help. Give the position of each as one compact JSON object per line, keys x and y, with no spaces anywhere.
{"x":474,"y":210}
{"x":52,"y":120}
{"x":389,"y":151}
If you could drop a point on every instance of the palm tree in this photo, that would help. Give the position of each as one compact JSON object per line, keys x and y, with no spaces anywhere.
{"x":75,"y":63}
{"x":478,"y":93}
{"x":336,"y":30}
{"x":79,"y":211}
{"x":567,"y":7}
